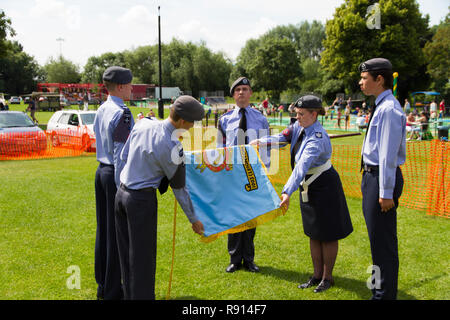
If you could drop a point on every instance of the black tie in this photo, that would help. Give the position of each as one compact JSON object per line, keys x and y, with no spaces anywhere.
{"x":243,"y":126}
{"x":296,"y":147}
{"x":367,"y":131}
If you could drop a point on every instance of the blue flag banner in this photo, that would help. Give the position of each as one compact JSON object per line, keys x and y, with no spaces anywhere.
{"x":230,"y":190}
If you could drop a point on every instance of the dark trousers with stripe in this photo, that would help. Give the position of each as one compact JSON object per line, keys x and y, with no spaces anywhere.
{"x":241,"y":246}
{"x":136,"y":220}
{"x":382,"y":229}
{"x":107,"y":268}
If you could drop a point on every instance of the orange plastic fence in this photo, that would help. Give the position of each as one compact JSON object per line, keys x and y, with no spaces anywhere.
{"x":45,"y":144}
{"x":426,"y":174}
{"x":426,"y":171}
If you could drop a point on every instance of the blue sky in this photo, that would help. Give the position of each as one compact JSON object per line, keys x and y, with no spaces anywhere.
{"x":93,"y":27}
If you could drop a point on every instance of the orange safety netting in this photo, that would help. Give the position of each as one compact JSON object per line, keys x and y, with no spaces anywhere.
{"x":45,"y":144}
{"x":426,"y":171}
{"x":426,"y":174}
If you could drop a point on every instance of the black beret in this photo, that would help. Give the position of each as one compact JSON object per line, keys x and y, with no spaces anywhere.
{"x":375,"y":65}
{"x":308,"y":102}
{"x":239,"y":82}
{"x":188,"y":108}
{"x":117,"y":75}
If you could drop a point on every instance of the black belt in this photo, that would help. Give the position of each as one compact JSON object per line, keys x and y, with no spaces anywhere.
{"x":369,"y":168}
{"x":149,"y":189}
{"x":106,"y":165}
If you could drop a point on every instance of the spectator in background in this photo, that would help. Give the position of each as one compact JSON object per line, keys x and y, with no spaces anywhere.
{"x":32,"y":108}
{"x":347,"y":116}
{"x":442,"y":109}
{"x":407,"y":107}
{"x":86,"y":101}
{"x":433,"y":107}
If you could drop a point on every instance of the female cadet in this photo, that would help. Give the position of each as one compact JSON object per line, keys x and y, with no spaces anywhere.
{"x":322,"y":201}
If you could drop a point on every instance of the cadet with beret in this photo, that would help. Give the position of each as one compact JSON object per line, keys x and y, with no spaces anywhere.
{"x":112,"y":125}
{"x":237,"y":127}
{"x":383,"y":152}
{"x":154,"y":159}
{"x":324,"y":210}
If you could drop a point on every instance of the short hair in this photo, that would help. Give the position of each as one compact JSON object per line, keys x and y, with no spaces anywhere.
{"x":110,"y":86}
{"x":174,"y":115}
{"x":387,"y":76}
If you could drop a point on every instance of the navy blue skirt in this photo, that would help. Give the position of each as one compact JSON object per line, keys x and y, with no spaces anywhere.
{"x":325,"y":216}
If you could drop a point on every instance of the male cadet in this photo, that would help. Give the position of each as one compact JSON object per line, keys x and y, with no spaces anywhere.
{"x":383,"y":151}
{"x":237,"y":127}
{"x":112,"y":125}
{"x":154,"y":159}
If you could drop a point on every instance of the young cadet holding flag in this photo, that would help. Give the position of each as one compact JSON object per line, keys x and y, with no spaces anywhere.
{"x":237,"y":127}
{"x":324,"y":210}
{"x":154,"y":159}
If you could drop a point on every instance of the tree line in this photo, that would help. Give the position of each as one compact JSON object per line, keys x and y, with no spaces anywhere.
{"x":284,"y":62}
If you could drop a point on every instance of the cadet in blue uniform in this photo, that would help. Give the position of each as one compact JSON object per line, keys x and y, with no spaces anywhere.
{"x":112,"y":125}
{"x":323,"y":206}
{"x":238,"y":127}
{"x":154,"y":158}
{"x":384,"y":150}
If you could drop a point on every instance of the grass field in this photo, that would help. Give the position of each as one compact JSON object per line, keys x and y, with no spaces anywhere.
{"x":47,"y":218}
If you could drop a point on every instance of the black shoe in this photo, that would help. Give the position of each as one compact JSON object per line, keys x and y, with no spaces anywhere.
{"x":232,"y":267}
{"x":311,"y":282}
{"x":251,"y":266}
{"x":325,"y":284}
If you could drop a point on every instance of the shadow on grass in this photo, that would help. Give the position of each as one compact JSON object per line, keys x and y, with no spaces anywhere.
{"x":348,"y":284}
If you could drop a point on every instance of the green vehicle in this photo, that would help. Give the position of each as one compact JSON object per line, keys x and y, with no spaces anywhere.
{"x":47,"y":101}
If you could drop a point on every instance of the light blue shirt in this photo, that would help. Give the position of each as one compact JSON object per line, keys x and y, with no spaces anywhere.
{"x":385,"y":143}
{"x":151,"y":153}
{"x":106,"y":120}
{"x":315,"y":150}
{"x":257,"y":126}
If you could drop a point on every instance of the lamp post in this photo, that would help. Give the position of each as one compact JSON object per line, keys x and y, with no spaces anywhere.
{"x":60,"y":40}
{"x":160,"y":100}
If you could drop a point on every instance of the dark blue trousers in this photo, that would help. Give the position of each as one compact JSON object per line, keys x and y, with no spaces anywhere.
{"x":107,"y":266}
{"x":382,"y":229}
{"x":241,"y":246}
{"x":136,"y":220}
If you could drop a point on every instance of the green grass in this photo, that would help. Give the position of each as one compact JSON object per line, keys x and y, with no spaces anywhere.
{"x":47,"y":218}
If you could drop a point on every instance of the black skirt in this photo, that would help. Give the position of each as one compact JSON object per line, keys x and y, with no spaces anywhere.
{"x":325,"y":216}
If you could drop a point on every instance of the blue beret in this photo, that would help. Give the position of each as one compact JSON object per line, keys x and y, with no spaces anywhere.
{"x":117,"y":75}
{"x":239,"y":82}
{"x":188,"y":108}
{"x":308,"y":102}
{"x":375,"y":65}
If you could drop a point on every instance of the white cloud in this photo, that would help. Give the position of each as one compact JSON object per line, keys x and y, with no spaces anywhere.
{"x":137,"y":16}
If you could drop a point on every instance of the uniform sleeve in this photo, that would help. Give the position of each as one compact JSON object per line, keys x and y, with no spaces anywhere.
{"x":221,"y":135}
{"x":170,"y":160}
{"x":390,"y":139}
{"x":279,"y":140}
{"x":309,"y":155}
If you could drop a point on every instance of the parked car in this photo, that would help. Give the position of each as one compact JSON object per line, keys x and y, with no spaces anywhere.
{"x":19,"y":134}
{"x":14,"y":100}
{"x":73,"y":128}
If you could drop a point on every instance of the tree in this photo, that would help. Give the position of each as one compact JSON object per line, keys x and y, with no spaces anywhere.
{"x":5,"y":29}
{"x":62,"y":70}
{"x":437,"y":53}
{"x":95,"y":66}
{"x":275,"y":64}
{"x":351,"y":40}
{"x":19,"y":72}
{"x":307,"y":37}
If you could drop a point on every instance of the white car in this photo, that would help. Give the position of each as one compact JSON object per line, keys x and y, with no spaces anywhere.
{"x":73,"y":128}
